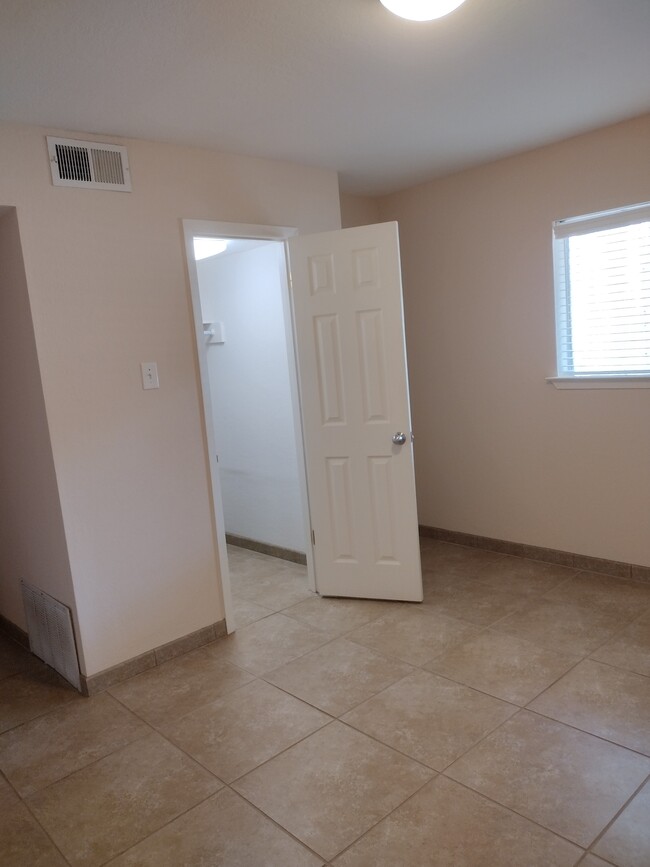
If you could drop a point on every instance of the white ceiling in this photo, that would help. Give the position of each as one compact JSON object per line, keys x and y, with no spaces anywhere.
{"x":341,"y":84}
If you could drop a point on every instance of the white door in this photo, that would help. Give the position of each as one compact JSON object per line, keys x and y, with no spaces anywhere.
{"x":349,"y":332}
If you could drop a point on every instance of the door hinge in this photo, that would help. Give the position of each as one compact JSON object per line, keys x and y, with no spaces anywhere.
{"x":313,"y":537}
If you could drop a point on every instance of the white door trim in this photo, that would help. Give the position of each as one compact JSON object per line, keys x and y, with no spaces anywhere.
{"x":208,"y":228}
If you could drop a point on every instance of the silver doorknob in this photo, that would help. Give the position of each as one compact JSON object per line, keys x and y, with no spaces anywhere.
{"x":399,"y":438}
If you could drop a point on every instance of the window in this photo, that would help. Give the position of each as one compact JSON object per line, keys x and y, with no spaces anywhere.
{"x":602,"y":294}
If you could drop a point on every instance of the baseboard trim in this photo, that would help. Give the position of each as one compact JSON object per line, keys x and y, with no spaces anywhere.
{"x":146,"y":661}
{"x":263,"y":548}
{"x":545,"y":555}
{"x":14,"y":632}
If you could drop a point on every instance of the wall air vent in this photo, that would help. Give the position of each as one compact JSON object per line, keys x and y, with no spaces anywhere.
{"x":51,"y":635}
{"x":90,"y":164}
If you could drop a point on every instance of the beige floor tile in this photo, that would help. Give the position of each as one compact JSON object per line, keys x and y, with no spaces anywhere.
{"x":49,"y":748}
{"x":23,"y":843}
{"x":15,"y":659}
{"x":568,"y":781}
{"x":268,"y":581}
{"x":446,"y":825}
{"x":445,"y":557}
{"x":255,"y":574}
{"x":604,"y":701}
{"x":476,"y":603}
{"x":331,"y":782}
{"x":8,"y":797}
{"x":338,"y":616}
{"x":244,"y":564}
{"x":31,"y":694}
{"x":613,"y":595}
{"x":246,"y":612}
{"x":224,"y":831}
{"x":277,"y":591}
{"x":238,"y":732}
{"x":434,"y":583}
{"x":561,"y":627}
{"x":330,"y":788}
{"x":525,"y":576}
{"x":503,"y":666}
{"x":269,"y":643}
{"x":338,"y":676}
{"x":630,"y":649}
{"x":429,"y":718}
{"x":593,"y":861}
{"x":178,"y":687}
{"x":413,"y":634}
{"x":627,"y":842}
{"x":109,"y":806}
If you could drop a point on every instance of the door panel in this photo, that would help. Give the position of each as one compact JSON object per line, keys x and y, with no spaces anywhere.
{"x":347,"y":304}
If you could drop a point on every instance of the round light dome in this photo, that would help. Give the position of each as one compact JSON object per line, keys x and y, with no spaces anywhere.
{"x":421,"y":10}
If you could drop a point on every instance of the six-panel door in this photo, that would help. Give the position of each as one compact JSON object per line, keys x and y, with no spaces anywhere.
{"x":348,"y":318}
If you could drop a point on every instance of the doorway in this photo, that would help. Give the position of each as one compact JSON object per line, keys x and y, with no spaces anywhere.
{"x":345,"y":324}
{"x":244,"y":332}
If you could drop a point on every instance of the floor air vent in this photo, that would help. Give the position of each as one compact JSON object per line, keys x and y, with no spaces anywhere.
{"x":90,"y":164}
{"x":51,"y":636}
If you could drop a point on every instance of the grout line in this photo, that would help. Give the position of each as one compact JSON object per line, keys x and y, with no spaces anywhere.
{"x":262,"y":678}
{"x":156,"y":726}
{"x":620,"y":668}
{"x":578,"y":662}
{"x":352,"y":707}
{"x":347,"y":632}
{"x":516,"y":813}
{"x":5,"y":778}
{"x":583,"y":860}
{"x":75,"y":696}
{"x":599,"y":837}
{"x":231,"y":783}
{"x":88,"y":765}
{"x":636,"y":752}
{"x":390,"y":813}
{"x":157,"y":830}
{"x":276,"y":823}
{"x":224,"y":785}
{"x":621,"y":632}
{"x":45,"y":831}
{"x":393,"y":749}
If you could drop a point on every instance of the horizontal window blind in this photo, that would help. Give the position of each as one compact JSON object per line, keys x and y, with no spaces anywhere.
{"x":602,"y":280}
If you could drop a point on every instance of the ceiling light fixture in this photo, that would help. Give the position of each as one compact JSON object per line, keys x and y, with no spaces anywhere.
{"x":421,"y":10}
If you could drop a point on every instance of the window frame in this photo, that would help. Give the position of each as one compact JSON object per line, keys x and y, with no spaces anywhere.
{"x":563,"y":230}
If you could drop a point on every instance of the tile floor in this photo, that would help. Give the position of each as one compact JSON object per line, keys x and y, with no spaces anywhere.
{"x":505,"y":722}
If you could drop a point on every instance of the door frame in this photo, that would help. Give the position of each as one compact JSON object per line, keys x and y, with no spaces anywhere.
{"x":243,"y":231}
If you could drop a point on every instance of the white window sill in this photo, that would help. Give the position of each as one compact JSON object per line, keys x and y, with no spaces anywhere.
{"x":599,"y":381}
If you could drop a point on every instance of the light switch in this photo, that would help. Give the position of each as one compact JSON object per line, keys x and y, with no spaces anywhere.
{"x":150,"y":374}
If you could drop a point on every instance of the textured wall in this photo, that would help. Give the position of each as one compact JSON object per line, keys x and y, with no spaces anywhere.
{"x":499,"y":451}
{"x":108,"y":289}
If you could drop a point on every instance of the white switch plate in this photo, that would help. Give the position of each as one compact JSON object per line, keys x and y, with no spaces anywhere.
{"x":150,"y":374}
{"x":218,"y":335}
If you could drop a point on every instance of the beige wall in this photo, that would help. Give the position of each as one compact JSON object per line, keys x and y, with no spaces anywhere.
{"x":32,"y":541}
{"x":358,"y":211}
{"x":500,"y":452}
{"x":108,"y":290}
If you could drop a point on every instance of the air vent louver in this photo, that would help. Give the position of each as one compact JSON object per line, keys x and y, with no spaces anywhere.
{"x":50,"y":630}
{"x":94,"y":165}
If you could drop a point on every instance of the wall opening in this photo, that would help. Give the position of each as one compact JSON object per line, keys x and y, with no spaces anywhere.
{"x":252,"y":404}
